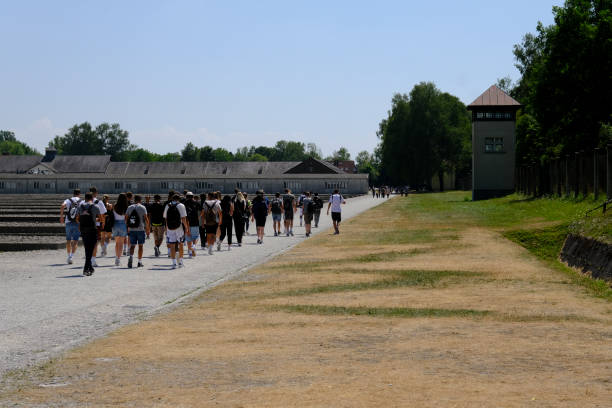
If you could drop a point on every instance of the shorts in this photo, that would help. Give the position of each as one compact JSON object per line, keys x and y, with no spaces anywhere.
{"x":175,"y":236}
{"x":195,"y":234}
{"x":211,"y":229}
{"x":301,"y":211}
{"x":158,"y":232}
{"x":72,"y":231}
{"x":288,"y":215}
{"x":336,"y":216}
{"x":119,"y":229}
{"x":307,"y":218}
{"x":137,"y":237}
{"x":277,"y":217}
{"x":260,"y":221}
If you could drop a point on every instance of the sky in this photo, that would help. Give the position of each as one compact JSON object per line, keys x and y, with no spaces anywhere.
{"x":241,"y":73}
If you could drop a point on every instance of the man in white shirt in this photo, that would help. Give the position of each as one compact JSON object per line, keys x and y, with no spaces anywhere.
{"x":175,"y":215}
{"x":335,"y":203}
{"x":68,"y":213}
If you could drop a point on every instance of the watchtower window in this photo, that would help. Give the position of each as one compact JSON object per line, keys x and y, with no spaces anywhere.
{"x":183,"y":171}
{"x":260,"y":170}
{"x":146,"y":171}
{"x":494,"y":144}
{"x":225,"y":170}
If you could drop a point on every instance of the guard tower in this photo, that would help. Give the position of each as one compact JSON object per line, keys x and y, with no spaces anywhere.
{"x":493,"y":144}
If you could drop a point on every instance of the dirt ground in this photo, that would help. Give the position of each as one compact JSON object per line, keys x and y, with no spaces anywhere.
{"x":396,"y":311}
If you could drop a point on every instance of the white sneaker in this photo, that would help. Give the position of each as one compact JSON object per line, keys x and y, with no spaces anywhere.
{"x":229,"y":247}
{"x":69,"y":260}
{"x":210,"y":250}
{"x":117,"y":262}
{"x":180,"y":263}
{"x":173,"y":266}
{"x":94,"y":263}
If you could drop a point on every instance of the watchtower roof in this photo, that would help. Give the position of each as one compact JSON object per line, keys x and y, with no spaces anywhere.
{"x":494,"y":97}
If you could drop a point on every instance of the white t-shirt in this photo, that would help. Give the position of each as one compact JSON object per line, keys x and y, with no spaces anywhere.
{"x":68,"y":204}
{"x":102,"y":208}
{"x":181,"y":209}
{"x":336,"y":201}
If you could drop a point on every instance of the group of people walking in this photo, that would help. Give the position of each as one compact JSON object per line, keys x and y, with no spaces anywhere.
{"x":183,"y":220}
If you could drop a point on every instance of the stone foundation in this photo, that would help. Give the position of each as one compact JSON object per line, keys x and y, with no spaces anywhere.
{"x":592,"y":256}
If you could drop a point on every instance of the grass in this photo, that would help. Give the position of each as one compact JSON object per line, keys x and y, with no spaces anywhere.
{"x":597,"y":225}
{"x":402,"y":278}
{"x":380,"y":311}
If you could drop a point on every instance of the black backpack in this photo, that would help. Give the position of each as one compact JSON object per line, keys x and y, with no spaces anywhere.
{"x":133,"y":219}
{"x":86,"y":219}
{"x":239,"y":207}
{"x":276,"y":206}
{"x":192,"y":213}
{"x":173,"y":216}
{"x":288,"y":203}
{"x":318,"y":203}
{"x":73,"y":208}
{"x":310,"y":207}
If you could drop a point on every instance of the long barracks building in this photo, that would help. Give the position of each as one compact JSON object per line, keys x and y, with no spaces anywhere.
{"x":61,"y":174}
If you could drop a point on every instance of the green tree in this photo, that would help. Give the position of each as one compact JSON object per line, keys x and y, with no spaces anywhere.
{"x":366,"y":163}
{"x":10,"y":145}
{"x":289,"y":151}
{"x":80,"y":139}
{"x":340,"y":155}
{"x":190,"y":153}
{"x":115,"y":141}
{"x":222,"y":155}
{"x":312,"y":150}
{"x":7,"y":136}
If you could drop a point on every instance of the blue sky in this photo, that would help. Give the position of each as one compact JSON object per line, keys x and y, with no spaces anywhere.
{"x":241,"y":73}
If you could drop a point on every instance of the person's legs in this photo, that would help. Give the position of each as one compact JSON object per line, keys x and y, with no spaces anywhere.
{"x":239,"y":229}
{"x":89,"y":241}
{"x":223,"y":232}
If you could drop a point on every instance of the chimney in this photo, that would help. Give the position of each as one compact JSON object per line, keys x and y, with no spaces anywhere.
{"x":50,"y":153}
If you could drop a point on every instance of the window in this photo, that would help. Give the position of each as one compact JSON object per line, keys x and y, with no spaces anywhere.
{"x":336,"y":184}
{"x":146,"y":171}
{"x":182,"y":171}
{"x":293,"y":185}
{"x":128,"y":186}
{"x":36,"y":184}
{"x":48,"y":186}
{"x":202,"y":185}
{"x":252,"y":185}
{"x":493,"y":115}
{"x":163,"y":185}
{"x":2,"y":186}
{"x":73,"y":185}
{"x":239,"y":184}
{"x":118,"y":185}
{"x":494,"y":144}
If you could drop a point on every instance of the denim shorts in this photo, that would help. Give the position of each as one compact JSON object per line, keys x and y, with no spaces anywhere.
{"x":195,"y":234}
{"x":137,"y":237}
{"x":72,"y":231}
{"x":277,"y":217}
{"x":119,"y":229}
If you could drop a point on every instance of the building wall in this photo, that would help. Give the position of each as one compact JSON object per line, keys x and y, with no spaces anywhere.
{"x":16,"y":184}
{"x":492,"y":172}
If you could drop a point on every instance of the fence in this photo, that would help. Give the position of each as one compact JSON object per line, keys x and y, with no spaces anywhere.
{"x":575,"y":175}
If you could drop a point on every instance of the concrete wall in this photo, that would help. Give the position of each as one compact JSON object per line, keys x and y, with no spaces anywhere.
{"x":492,"y":172}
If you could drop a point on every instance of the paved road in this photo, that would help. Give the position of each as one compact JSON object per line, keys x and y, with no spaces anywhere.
{"x":47,"y":306}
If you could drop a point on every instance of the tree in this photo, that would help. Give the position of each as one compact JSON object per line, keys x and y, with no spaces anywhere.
{"x":80,"y":139}
{"x":10,"y":145}
{"x":190,"y":153}
{"x":312,"y":150}
{"x":366,"y":163}
{"x":341,"y":154}
{"x":7,"y":136}
{"x":289,"y":151}
{"x":115,"y":141}
{"x":222,"y":155}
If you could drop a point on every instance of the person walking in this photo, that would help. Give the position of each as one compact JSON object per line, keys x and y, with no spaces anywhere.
{"x":202,"y":227}
{"x":308,"y":208}
{"x":88,"y":214}
{"x":227,"y":225}
{"x":276,"y":208}
{"x":119,"y":226}
{"x":68,"y":213}
{"x":289,"y":207}
{"x":260,"y":212}
{"x":156,"y":223}
{"x":335,"y":204}
{"x":107,"y":229}
{"x":318,"y":206}
{"x":239,"y":211}
{"x":137,"y":224}
{"x":193,"y":218}
{"x":99,"y":224}
{"x":175,"y":215}
{"x":211,"y":215}
{"x":247,"y":213}
{"x":300,"y":205}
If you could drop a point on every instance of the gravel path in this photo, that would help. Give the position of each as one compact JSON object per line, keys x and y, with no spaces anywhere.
{"x":47,"y":306}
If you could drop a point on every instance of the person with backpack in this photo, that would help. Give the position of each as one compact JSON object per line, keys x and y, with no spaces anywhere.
{"x":276,"y":208}
{"x":289,"y":207}
{"x":193,"y":218}
{"x":138,"y":224}
{"x":156,"y":222}
{"x":318,"y":205}
{"x":68,"y":213}
{"x":177,"y":227}
{"x":107,"y":228}
{"x":99,"y":224}
{"x":247,"y":213}
{"x":119,"y":226}
{"x":227,"y":211}
{"x":308,"y":207}
{"x":259,"y":213}
{"x":335,"y":203}
{"x":211,"y":215}
{"x":300,"y":205}
{"x":88,"y":214}
{"x":239,"y":211}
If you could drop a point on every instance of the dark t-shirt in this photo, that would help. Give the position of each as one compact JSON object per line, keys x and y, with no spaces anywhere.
{"x":260,"y":208}
{"x":288,"y":200}
{"x":156,"y":212}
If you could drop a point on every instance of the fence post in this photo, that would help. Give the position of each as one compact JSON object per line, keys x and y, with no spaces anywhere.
{"x":609,"y":172}
{"x":596,"y":173}
{"x":576,"y":174}
{"x":567,"y":179}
